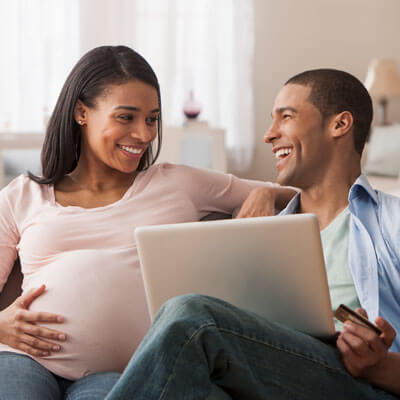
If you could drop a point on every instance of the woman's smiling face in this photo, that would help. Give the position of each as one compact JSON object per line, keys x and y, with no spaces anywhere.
{"x":122,"y":125}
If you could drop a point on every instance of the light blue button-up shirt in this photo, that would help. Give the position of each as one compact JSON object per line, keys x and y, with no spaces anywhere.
{"x":374,"y":250}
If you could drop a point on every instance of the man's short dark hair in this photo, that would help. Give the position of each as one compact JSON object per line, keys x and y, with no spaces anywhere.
{"x":334,"y":91}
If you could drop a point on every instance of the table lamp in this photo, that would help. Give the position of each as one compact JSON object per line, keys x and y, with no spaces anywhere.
{"x":383,"y":83}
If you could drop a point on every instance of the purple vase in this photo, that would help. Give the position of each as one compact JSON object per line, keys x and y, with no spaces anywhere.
{"x":191,"y":107}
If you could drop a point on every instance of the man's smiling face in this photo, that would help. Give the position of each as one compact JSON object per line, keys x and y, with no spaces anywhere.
{"x":298,"y":137}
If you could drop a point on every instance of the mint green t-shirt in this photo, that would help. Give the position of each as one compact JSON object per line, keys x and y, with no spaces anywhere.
{"x":335,"y":243}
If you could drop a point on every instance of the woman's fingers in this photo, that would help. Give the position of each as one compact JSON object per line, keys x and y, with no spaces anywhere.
{"x":27,"y":298}
{"x":31,"y":350}
{"x":260,"y":202}
{"x":39,"y":344}
{"x":42,"y":332}
{"x":29,"y":337}
{"x":37,"y":316}
{"x":21,"y":328}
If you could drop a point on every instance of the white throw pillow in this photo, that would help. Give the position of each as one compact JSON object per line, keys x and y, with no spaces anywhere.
{"x":383,"y":155}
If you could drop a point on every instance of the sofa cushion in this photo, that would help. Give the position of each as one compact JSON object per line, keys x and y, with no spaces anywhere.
{"x":382,"y":157}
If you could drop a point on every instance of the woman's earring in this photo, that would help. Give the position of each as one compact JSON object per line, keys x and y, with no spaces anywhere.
{"x":80,"y":122}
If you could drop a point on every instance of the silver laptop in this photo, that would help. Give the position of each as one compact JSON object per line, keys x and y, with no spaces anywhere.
{"x":272,"y":266}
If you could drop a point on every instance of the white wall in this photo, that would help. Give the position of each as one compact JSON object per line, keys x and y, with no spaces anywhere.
{"x":291,"y":36}
{"x":295,"y":35}
{"x":106,"y":22}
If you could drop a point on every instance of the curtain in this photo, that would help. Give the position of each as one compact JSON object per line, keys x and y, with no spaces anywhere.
{"x":204,"y":46}
{"x":201,"y":45}
{"x":39,"y":45}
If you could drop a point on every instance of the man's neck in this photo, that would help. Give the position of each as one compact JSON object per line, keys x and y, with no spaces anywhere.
{"x":327,"y":198}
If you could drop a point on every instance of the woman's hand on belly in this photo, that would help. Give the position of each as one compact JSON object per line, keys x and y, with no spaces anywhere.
{"x":19,"y":329}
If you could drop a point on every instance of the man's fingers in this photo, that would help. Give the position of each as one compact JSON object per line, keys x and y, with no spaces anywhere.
{"x":361,"y":347}
{"x":362,"y":312}
{"x":348,"y":356}
{"x":388,"y":333}
{"x":27,"y":298}
{"x":357,"y":345}
{"x":367,"y":336}
{"x":33,"y":316}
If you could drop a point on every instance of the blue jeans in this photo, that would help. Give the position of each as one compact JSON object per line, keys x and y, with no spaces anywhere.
{"x":204,"y":348}
{"x":22,"y":378}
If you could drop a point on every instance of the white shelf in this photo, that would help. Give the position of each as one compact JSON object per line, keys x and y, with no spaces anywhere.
{"x":194,"y":144}
{"x":17,"y":141}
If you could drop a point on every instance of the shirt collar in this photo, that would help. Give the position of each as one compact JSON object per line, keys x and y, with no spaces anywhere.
{"x":360,"y":187}
{"x":293,"y":206}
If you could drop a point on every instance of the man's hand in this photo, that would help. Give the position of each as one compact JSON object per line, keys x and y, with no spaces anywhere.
{"x":19,"y":327}
{"x":259,"y":203}
{"x":362,"y":349}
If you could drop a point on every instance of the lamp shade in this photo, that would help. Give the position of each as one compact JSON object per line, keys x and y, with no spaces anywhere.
{"x":383,"y":79}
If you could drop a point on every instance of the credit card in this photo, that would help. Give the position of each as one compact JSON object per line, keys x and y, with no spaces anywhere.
{"x":344,"y":313}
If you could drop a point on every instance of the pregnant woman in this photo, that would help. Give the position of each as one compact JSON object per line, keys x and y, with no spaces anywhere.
{"x":83,"y":310}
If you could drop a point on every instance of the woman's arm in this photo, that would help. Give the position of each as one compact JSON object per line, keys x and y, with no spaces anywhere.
{"x":18,"y":325}
{"x":212,"y":191}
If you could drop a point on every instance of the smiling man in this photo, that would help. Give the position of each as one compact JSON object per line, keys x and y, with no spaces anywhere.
{"x":203,"y":348}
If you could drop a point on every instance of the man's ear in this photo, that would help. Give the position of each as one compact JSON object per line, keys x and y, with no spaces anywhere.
{"x":341,"y":124}
{"x":80,"y":113}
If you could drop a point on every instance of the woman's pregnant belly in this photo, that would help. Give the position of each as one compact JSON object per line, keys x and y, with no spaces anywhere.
{"x":100,"y":294}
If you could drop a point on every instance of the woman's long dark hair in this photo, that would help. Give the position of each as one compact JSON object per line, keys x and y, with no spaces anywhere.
{"x":97,"y":69}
